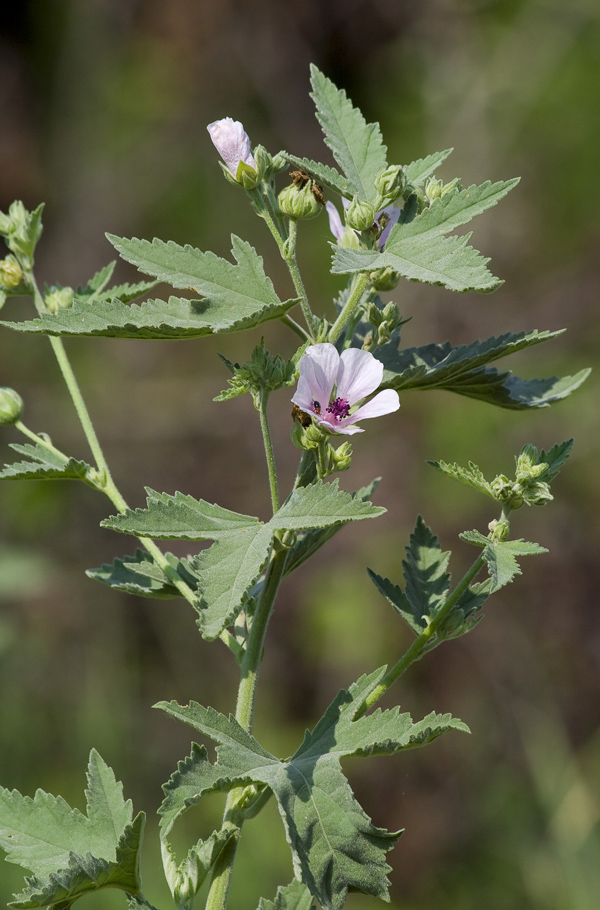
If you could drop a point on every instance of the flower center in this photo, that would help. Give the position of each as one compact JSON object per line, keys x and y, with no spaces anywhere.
{"x":338,"y":408}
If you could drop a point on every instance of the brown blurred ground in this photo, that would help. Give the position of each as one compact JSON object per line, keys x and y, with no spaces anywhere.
{"x":103,"y":108}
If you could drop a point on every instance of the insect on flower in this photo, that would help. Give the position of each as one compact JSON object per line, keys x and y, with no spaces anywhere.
{"x":331,"y":386}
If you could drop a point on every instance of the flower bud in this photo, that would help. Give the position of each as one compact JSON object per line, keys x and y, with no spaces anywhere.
{"x":389,"y":185}
{"x":341,"y":457}
{"x":11,"y":273}
{"x":299,"y":202}
{"x":233,"y":145}
{"x":11,"y":406}
{"x":59,"y":299}
{"x":433,"y":189}
{"x":384,"y":279}
{"x":359,"y":215}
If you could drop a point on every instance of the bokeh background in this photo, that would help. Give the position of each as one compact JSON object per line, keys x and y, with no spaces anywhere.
{"x":103,"y":108}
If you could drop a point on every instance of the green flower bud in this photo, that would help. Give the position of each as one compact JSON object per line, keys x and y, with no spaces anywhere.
{"x":500,"y":528}
{"x":359,"y":215}
{"x":350,"y":241}
{"x":11,"y":406}
{"x":341,"y":457}
{"x":280,"y":161}
{"x":453,"y":187}
{"x":389,"y":185}
{"x":433,"y":189}
{"x":264,"y":162}
{"x":384,"y":279}
{"x":59,"y":299}
{"x":11,"y":273}
{"x":299,"y":202}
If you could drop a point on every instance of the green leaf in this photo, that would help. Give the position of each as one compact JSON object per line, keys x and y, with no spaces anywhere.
{"x":44,"y":464}
{"x":500,"y":556}
{"x":236,"y":296}
{"x":334,"y":844}
{"x":308,"y":542}
{"x":226,"y":571}
{"x":472,"y":476}
{"x":294,"y":896}
{"x":324,"y":174}
{"x":462,"y":370}
{"x":180,"y":517}
{"x":555,"y":459}
{"x":321,"y":505}
{"x":427,"y":581}
{"x":140,"y":575}
{"x":357,"y":146}
{"x":417,"y":249}
{"x":427,"y":588}
{"x":418,"y":171}
{"x":70,"y":853}
{"x":185,"y":879}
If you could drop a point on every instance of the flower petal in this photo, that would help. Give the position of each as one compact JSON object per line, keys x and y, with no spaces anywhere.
{"x":359,"y":374}
{"x":335,"y":222}
{"x":232,"y":143}
{"x":393,"y":213}
{"x":319,"y":368}
{"x":384,"y":402}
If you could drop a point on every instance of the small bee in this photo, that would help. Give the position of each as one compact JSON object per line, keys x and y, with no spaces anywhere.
{"x":301,"y":178}
{"x":317,"y":406}
{"x":301,"y":416}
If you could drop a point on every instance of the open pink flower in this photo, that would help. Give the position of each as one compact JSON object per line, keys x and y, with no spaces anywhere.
{"x":232,"y":143}
{"x":331,"y":385}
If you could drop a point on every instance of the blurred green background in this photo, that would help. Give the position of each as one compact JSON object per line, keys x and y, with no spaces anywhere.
{"x":104,"y":106}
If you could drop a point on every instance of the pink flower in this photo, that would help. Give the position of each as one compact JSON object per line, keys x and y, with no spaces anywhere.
{"x":330,"y":386}
{"x":232,"y":143}
{"x":337,"y":228}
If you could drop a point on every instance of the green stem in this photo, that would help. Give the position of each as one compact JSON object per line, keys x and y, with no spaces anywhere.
{"x":39,"y":440}
{"x":244,"y":714}
{"x":293,"y":325}
{"x":270,"y":455}
{"x":415,"y":652}
{"x":288,"y":251}
{"x":359,"y":285}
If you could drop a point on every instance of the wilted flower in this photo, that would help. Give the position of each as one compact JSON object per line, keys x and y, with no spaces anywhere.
{"x":232,"y":143}
{"x":385,"y":219}
{"x":331,"y":385}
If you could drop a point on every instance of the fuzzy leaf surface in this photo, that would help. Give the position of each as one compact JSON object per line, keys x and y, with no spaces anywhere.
{"x":235,"y":296}
{"x":418,"y":250}
{"x":96,"y":287}
{"x":500,"y":556}
{"x":70,"y":853}
{"x":42,"y":464}
{"x":357,"y":146}
{"x":471,"y":476}
{"x":140,"y":575}
{"x":418,"y":171}
{"x":427,"y":587}
{"x":294,"y":896}
{"x":555,"y":459}
{"x":334,"y":844}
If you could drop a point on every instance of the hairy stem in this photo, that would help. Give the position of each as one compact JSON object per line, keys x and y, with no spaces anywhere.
{"x":419,"y":644}
{"x":360,"y":282}
{"x":270,"y":455}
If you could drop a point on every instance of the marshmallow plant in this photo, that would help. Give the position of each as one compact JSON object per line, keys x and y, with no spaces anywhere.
{"x":350,"y":367}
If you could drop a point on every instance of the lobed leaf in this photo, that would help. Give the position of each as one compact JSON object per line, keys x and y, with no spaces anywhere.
{"x":43,"y":464}
{"x":294,"y":896}
{"x":500,"y":556}
{"x":555,"y":459}
{"x":235,"y":296}
{"x":140,"y":575}
{"x":357,"y":146}
{"x":70,"y":853}
{"x":334,"y":844}
{"x":418,"y":171}
{"x":471,"y":476}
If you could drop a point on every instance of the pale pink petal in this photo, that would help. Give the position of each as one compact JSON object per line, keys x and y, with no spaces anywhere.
{"x":384,"y":402}
{"x":232,"y":143}
{"x":393,"y":213}
{"x":303,"y":396}
{"x":319,"y":367}
{"x":335,"y":222}
{"x":332,"y":426}
{"x":360,"y":374}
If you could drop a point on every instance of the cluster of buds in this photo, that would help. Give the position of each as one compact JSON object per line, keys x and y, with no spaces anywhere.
{"x":21,"y":230}
{"x":307,"y":436}
{"x":11,"y":406}
{"x":302,"y":199}
{"x":527,"y":488}
{"x":11,"y":278}
{"x":57,"y":298}
{"x":262,"y":374}
{"x":437,"y":189}
{"x":384,"y":321}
